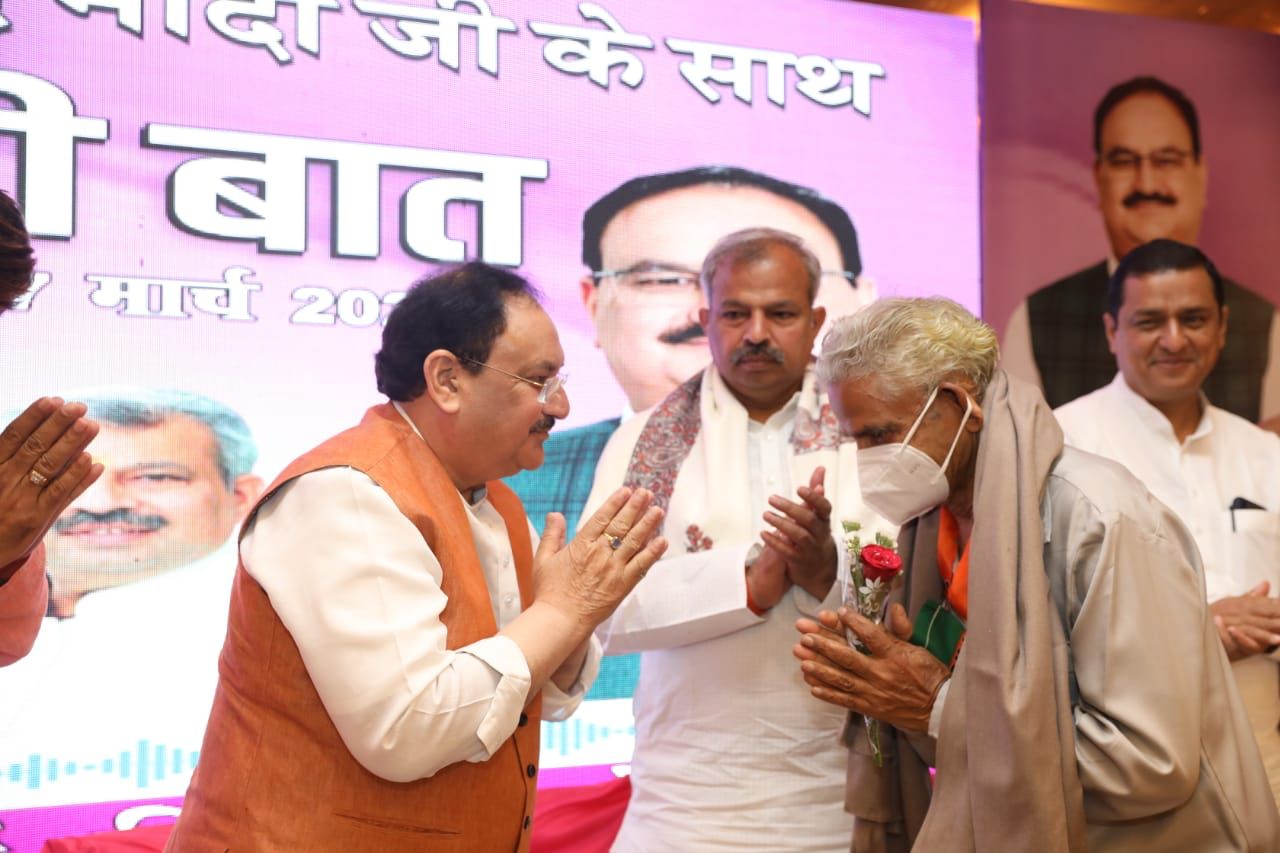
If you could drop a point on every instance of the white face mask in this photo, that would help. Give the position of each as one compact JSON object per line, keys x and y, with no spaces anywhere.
{"x":901,"y":482}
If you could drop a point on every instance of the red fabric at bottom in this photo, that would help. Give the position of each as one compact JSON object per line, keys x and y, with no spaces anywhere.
{"x":143,"y":839}
{"x":583,"y":819}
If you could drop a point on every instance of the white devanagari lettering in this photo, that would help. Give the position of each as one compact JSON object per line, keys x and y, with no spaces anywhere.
{"x":177,"y":17}
{"x":702,"y":69}
{"x":275,"y":212}
{"x":131,"y":296}
{"x":48,"y":128}
{"x":262,"y":31}
{"x":419,"y":27}
{"x":39,"y":282}
{"x":147,"y":296}
{"x":128,"y":12}
{"x":821,"y":78}
{"x":584,"y":50}
{"x":228,"y":299}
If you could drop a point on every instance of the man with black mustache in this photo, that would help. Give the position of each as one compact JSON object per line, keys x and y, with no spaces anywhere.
{"x":179,"y":478}
{"x":1151,"y":179}
{"x":643,"y":243}
{"x":140,"y":569}
{"x":725,"y":728}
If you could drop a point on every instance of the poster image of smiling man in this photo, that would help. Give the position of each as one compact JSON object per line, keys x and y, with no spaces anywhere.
{"x":178,"y":479}
{"x":1151,"y":175}
{"x":140,"y":570}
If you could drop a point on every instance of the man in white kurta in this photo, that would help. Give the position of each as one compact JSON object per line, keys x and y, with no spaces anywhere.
{"x":1167,"y":325}
{"x":732,"y":752}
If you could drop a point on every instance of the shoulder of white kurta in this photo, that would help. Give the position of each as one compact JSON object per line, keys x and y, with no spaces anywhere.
{"x":1262,"y":445}
{"x":1081,"y":418}
{"x":317,"y":501}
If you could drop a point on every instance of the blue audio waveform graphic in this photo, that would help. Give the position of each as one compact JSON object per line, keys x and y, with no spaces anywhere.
{"x":147,"y":764}
{"x":572,"y":735}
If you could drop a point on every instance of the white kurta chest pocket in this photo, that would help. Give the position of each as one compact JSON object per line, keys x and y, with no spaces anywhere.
{"x":1253,"y":554}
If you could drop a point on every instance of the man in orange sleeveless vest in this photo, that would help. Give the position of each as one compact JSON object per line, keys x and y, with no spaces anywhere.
{"x":393,"y":637}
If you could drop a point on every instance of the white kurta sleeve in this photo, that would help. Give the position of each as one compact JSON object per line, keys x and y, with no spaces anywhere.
{"x":684,"y":599}
{"x":1138,"y":646}
{"x":557,"y":704}
{"x":359,"y":590}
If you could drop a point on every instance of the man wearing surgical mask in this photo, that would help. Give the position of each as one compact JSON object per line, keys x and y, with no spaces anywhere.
{"x":1070,"y":689}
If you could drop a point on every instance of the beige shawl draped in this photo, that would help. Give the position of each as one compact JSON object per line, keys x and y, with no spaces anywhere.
{"x":1005,"y":757}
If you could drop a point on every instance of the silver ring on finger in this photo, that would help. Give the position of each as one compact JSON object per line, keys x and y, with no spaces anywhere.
{"x":615,"y":542}
{"x":37,"y":479}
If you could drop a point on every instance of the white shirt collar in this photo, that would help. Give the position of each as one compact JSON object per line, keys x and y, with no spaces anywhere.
{"x":1153,"y":418}
{"x":723,"y":396}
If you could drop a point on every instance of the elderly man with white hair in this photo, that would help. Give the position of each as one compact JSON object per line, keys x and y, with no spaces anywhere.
{"x":1091,"y":706}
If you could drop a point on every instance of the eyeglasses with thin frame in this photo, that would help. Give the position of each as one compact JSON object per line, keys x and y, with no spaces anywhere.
{"x":546,"y":390}
{"x":648,"y":278}
{"x":1161,"y":160}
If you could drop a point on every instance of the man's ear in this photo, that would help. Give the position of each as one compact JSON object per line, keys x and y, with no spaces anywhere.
{"x":442,"y":371}
{"x":590,"y":294}
{"x":704,"y":316}
{"x":868,"y":291}
{"x":1109,"y":326}
{"x":246,"y":490}
{"x":819,"y":316}
{"x":960,"y":395}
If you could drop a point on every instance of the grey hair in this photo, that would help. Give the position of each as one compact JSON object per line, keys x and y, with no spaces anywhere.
{"x":752,"y":243}
{"x":910,"y":345}
{"x":143,"y":407}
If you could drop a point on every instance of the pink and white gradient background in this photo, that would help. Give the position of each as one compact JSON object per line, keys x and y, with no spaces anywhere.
{"x":907,"y":175}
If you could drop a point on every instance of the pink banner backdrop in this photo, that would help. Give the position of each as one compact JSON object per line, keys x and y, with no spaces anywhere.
{"x":228,"y":196}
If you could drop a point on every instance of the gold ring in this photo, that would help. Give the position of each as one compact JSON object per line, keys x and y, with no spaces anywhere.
{"x":37,"y":479}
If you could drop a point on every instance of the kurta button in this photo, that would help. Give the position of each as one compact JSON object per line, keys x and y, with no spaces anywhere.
{"x":527,"y":820}
{"x":524,"y":719}
{"x":532,"y":771}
